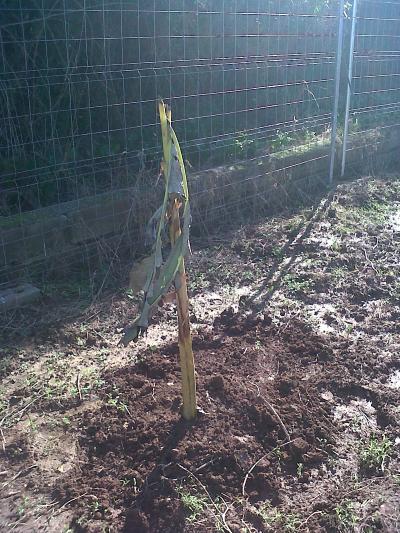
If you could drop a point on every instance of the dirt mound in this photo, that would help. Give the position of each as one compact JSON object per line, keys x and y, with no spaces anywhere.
{"x":259,"y":418}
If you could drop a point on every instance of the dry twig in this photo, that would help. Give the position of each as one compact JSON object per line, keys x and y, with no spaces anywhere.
{"x":259,"y":461}
{"x":219,"y":515}
{"x":274,"y":412}
{"x":17,"y":475}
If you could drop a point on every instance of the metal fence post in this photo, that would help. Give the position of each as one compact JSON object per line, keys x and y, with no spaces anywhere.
{"x":349,"y":85}
{"x":337,"y":89}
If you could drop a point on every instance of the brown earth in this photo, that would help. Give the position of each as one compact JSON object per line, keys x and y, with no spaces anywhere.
{"x":261,"y":411}
{"x":292,"y":391}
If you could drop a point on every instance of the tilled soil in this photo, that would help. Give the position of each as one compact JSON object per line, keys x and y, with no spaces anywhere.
{"x":263,"y":412}
{"x":254,"y":403}
{"x":293,"y":393}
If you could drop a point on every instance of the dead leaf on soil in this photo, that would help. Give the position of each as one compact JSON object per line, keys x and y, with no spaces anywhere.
{"x":138,"y":274}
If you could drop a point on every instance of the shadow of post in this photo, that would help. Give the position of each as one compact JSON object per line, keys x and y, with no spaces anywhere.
{"x":263,"y":294}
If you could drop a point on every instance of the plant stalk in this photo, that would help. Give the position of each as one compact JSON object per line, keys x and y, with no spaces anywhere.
{"x":189,"y":408}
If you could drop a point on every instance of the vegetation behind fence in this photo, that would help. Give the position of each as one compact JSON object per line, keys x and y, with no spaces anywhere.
{"x":251,"y":83}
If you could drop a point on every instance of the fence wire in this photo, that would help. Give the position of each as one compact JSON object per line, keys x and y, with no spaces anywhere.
{"x":251,"y":85}
{"x":375,"y":84}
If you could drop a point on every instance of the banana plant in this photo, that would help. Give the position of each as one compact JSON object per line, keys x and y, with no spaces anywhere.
{"x":167,"y":268}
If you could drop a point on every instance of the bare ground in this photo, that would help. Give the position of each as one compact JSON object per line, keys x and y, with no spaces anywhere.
{"x":297,"y":337}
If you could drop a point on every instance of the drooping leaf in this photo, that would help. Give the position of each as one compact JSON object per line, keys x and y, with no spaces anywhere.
{"x":138,"y":274}
{"x":161,"y":274}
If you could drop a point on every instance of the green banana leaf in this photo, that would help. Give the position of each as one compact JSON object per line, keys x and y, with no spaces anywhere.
{"x":163,"y":274}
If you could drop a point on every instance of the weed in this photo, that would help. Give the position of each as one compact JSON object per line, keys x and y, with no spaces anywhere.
{"x":102,"y":354}
{"x":5,"y":364}
{"x":278,"y":454}
{"x":55,"y":388}
{"x":299,"y":469}
{"x":3,"y":403}
{"x":339,"y":273}
{"x":82,"y":521}
{"x":300,"y":142}
{"x":269,"y":515}
{"x":294,"y":224}
{"x":79,"y":288}
{"x":245,"y":146}
{"x":291,"y":522}
{"x":22,"y":507}
{"x":32,"y":425}
{"x":336,"y":246}
{"x":198,"y":281}
{"x":295,"y":284}
{"x":248,"y":275}
{"x":94,"y":505}
{"x":194,"y":504}
{"x":375,"y":453}
{"x":274,"y":518}
{"x":219,"y":511}
{"x":349,"y":329}
{"x":115,"y":401}
{"x":129,"y":482}
{"x":395,"y":290}
{"x":375,"y":212}
{"x":345,"y":517}
{"x":277,"y":252}
{"x":354,"y":218}
{"x":282,"y":140}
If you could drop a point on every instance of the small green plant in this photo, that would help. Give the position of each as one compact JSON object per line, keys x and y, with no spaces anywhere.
{"x":345,"y":517}
{"x":5,"y":364}
{"x":291,"y":523}
{"x":336,"y":246}
{"x":349,"y":329}
{"x":300,"y":469}
{"x":375,"y":453}
{"x":3,"y":403}
{"x":244,"y":145}
{"x":354,"y":218}
{"x":248,"y":275}
{"x":269,"y":515}
{"x":320,"y":6}
{"x":129,"y":482}
{"x":277,"y":252}
{"x":194,"y":504}
{"x":115,"y":401}
{"x":22,"y":507}
{"x":94,"y":505}
{"x":278,"y":454}
{"x":32,"y":425}
{"x":339,"y":273}
{"x":296,"y":284}
{"x":282,"y":141}
{"x":273,"y":518}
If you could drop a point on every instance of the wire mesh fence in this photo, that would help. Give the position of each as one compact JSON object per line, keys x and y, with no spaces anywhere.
{"x":251,"y":84}
{"x":374,"y":85}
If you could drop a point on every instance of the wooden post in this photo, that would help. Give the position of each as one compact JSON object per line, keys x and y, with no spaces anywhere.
{"x":189,"y":408}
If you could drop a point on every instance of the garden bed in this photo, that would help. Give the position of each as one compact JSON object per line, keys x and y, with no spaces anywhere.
{"x":296,"y":338}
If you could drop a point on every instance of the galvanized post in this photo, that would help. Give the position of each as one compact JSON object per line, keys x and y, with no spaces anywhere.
{"x":349,"y":85}
{"x":337,"y":89}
